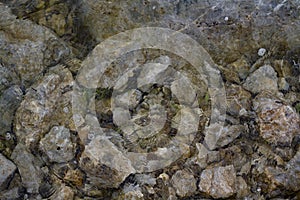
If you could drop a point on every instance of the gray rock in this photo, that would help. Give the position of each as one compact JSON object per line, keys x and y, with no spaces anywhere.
{"x":29,"y":168}
{"x":218,"y":182}
{"x":104,"y":164}
{"x":7,"y":78}
{"x":9,"y":102}
{"x":184,"y":183}
{"x":205,"y":156}
{"x":57,"y":145}
{"x":7,"y":169}
{"x":48,"y":103}
{"x":264,"y":78}
{"x":218,"y":135}
{"x":283,"y":84}
{"x":133,"y":192}
{"x":278,"y":123}
{"x":63,"y":193}
{"x":37,"y":47}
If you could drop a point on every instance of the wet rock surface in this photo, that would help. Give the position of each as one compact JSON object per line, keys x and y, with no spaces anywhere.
{"x":220,"y":121}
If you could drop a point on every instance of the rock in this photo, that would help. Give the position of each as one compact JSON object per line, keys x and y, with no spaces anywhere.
{"x":238,"y":99}
{"x":264,"y":78}
{"x":7,"y":78}
{"x":7,"y":170}
{"x":261,"y":52}
{"x":278,"y":123}
{"x":63,"y":193}
{"x":205,"y":156}
{"x":57,"y":145}
{"x":104,"y":164}
{"x":218,"y":135}
{"x":37,"y":47}
{"x":9,"y":102}
{"x":218,"y":182}
{"x":143,"y":179}
{"x":29,"y":168}
{"x":242,"y":188}
{"x":241,"y":67}
{"x":283,"y":85}
{"x":48,"y":103}
{"x":133,"y":192}
{"x":184,"y":183}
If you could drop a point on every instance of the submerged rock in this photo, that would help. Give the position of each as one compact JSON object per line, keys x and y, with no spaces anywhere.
{"x":7,"y":169}
{"x":218,"y":182}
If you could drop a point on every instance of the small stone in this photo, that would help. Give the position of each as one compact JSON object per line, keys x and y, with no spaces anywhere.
{"x":218,"y":182}
{"x":261,"y":52}
{"x":7,"y":169}
{"x":57,"y":145}
{"x":184,"y":183}
{"x":278,"y":123}
{"x":264,"y":78}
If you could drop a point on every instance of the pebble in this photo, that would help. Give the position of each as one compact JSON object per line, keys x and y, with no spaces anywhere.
{"x":261,"y":52}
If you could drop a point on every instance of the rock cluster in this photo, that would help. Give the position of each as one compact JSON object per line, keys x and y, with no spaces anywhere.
{"x":156,"y":125}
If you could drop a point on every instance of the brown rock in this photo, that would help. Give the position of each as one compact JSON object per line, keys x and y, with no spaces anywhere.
{"x":278,"y":123}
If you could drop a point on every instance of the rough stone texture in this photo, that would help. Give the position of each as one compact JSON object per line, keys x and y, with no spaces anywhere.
{"x":9,"y":102}
{"x":218,"y":182}
{"x":205,"y":156}
{"x":238,"y":99}
{"x":104,"y":164}
{"x":7,"y":78}
{"x":37,"y":47}
{"x":132,"y":192}
{"x":57,"y":145}
{"x":184,"y":183}
{"x":28,"y":167}
{"x":264,"y":78}
{"x":47,"y":103}
{"x":63,"y":193}
{"x":7,"y":169}
{"x":278,"y":123}
{"x":218,"y":135}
